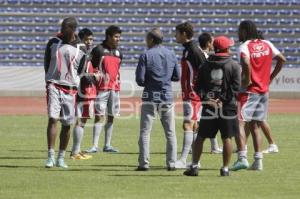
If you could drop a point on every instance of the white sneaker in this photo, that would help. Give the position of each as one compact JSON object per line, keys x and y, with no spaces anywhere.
{"x":273,"y":148}
{"x":50,"y":163}
{"x":180,"y":164}
{"x":189,"y":164}
{"x":257,"y":165}
{"x":216,"y":151}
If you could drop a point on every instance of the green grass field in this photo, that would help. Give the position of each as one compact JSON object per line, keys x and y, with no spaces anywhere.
{"x":23,"y":154}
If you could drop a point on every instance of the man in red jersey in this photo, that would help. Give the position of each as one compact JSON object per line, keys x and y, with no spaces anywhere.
{"x":107,"y":57}
{"x":256,"y":57}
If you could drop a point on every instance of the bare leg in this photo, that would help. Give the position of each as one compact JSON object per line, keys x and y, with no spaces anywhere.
{"x":51,"y":133}
{"x":267,"y":132}
{"x":197,"y":149}
{"x":64,"y":137}
{"x":227,"y":151}
{"x":257,"y":140}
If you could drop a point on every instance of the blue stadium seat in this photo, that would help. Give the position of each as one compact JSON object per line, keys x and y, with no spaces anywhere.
{"x":53,"y":20}
{"x":103,"y":11}
{"x":295,"y":3}
{"x":246,"y":12}
{"x":40,"y":39}
{"x":260,"y":21}
{"x":207,"y":12}
{"x":26,"y":2}
{"x":273,"y":30}
{"x":129,"y":2}
{"x":180,"y":11}
{"x":290,"y":50}
{"x":109,"y":20}
{"x":122,"y":20}
{"x":13,"y":38}
{"x":39,"y":29}
{"x":220,"y":12}
{"x":155,"y":11}
{"x":206,"y":20}
{"x":27,"y":47}
{"x":125,"y":39}
{"x":50,"y":2}
{"x":155,"y":2}
{"x":13,"y":56}
{"x":233,"y":21}
{"x":13,"y":2}
{"x":13,"y":28}
{"x":38,"y":2}
{"x":259,"y":12}
{"x":288,"y":40}
{"x":233,"y":12}
{"x":291,"y":58}
{"x":138,"y":48}
{"x":284,"y":12}
{"x":40,"y":47}
{"x":287,"y":31}
{"x":272,"y":12}
{"x":116,"y":11}
{"x":150,"y":20}
{"x":284,"y":3}
{"x":275,"y":40}
{"x":136,"y":20}
{"x":298,"y":40}
{"x":162,"y":20}
{"x":3,"y":47}
{"x":39,"y":56}
{"x":96,"y":20}
{"x":12,"y":19}
{"x":77,"y":2}
{"x":271,"y":3}
{"x":194,"y":12}
{"x":90,"y":11}
{"x":176,"y":20}
{"x":97,"y":29}
{"x":168,"y":2}
{"x":142,"y":11}
{"x":142,"y":2}
{"x":168,"y":12}
{"x":129,"y":11}
{"x":219,"y":20}
{"x":39,"y":20}
{"x":296,"y":12}
{"x":272,"y":21}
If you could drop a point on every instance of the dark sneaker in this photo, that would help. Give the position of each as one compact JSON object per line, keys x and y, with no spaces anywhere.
{"x":224,"y":172}
{"x":171,"y":169}
{"x":110,"y":149}
{"x":192,"y":171}
{"x":142,"y":169}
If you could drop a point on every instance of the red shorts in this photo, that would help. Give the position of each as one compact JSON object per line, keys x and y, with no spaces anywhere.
{"x":191,"y":110}
{"x":85,"y":109}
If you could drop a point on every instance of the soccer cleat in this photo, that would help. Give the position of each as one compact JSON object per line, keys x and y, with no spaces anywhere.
{"x":224,"y":172}
{"x":142,"y":168}
{"x":257,"y":165}
{"x":180,"y":164}
{"x":273,"y":148}
{"x":240,"y":164}
{"x":50,"y":163}
{"x":80,"y":156}
{"x":192,"y":171}
{"x":171,"y":169}
{"x":61,"y":163}
{"x":110,"y":149}
{"x":92,"y":150}
{"x":188,"y":165}
{"x":216,"y":151}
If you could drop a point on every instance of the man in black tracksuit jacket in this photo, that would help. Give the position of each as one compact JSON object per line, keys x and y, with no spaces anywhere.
{"x":218,"y":85}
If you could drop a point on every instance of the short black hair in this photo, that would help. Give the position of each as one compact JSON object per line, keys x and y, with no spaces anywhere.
{"x":112,"y":30}
{"x":69,"y":24}
{"x":186,"y":27}
{"x":247,"y":31}
{"x":260,"y":34}
{"x":84,"y":32}
{"x":205,"y":38}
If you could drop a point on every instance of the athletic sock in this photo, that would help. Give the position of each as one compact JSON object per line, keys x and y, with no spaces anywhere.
{"x":51,"y":153}
{"x":187,"y":143}
{"x":194,"y":136}
{"x":77,"y":139}
{"x":96,"y":133}
{"x":214,"y":144}
{"x":108,"y":133}
{"x":61,"y":154}
{"x":258,"y":155}
{"x":242,"y":155}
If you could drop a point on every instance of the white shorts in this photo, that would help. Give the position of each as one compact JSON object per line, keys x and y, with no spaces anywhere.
{"x":107,"y":102}
{"x":254,"y":107}
{"x":60,"y":105}
{"x":85,"y":109}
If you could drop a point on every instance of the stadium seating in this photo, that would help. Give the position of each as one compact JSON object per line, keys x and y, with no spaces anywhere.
{"x":26,"y":25}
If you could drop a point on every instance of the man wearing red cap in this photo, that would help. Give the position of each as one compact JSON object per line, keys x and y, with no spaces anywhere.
{"x":218,"y":85}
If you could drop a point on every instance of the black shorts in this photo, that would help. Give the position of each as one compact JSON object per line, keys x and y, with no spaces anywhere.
{"x":212,"y":121}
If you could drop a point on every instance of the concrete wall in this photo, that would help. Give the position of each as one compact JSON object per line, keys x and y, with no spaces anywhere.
{"x":29,"y":81}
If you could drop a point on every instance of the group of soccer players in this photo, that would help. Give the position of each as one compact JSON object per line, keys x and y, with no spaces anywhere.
{"x":218,"y":94}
